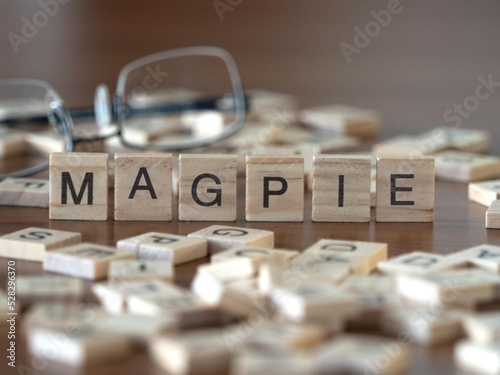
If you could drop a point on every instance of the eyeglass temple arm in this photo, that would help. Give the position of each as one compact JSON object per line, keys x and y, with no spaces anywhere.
{"x":206,"y":104}
{"x":76,"y":114}
{"x":89,"y":113}
{"x":26,"y":172}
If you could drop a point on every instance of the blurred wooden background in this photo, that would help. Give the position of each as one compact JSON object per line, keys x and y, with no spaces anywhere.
{"x":427,"y":58}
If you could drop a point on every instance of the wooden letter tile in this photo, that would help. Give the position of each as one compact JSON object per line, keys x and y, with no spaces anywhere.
{"x":78,"y":186}
{"x":423,"y":325}
{"x":11,"y":144}
{"x":247,"y":286}
{"x":24,"y":192}
{"x":418,"y":263}
{"x":267,"y":105}
{"x":207,"y":187}
{"x":61,"y":315}
{"x":317,"y":266}
{"x":173,"y":298}
{"x":341,"y":188}
{"x":188,"y":310}
{"x":358,"y":122}
{"x":483,"y":327}
{"x":462,"y":139}
{"x":32,"y":243}
{"x":485,"y":192}
{"x":46,"y":142}
{"x":376,"y":296}
{"x":48,"y":288}
{"x":165,"y":247}
{"x":478,"y":358}
{"x":360,"y":257}
{"x":210,"y":284}
{"x":143,"y":187}
{"x":461,"y":286}
{"x":405,"y":145}
{"x":483,"y":256}
{"x":221,"y":238}
{"x":83,"y":347}
{"x":205,"y":124}
{"x":195,"y":352}
{"x":342,"y":355}
{"x":137,"y":328}
{"x":466,"y":167}
{"x":256,"y":362}
{"x":256,"y":254}
{"x":284,"y":336}
{"x":145,"y":131}
{"x":85,"y":260}
{"x":405,"y":189}
{"x":275,"y":188}
{"x":131,"y":270}
{"x":271,"y":275}
{"x":493,"y":215}
{"x":234,"y":269}
{"x":114,"y":296}
{"x":307,"y":151}
{"x":314,"y":301}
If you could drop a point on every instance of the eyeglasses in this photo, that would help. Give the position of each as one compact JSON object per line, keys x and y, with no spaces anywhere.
{"x":170,"y":101}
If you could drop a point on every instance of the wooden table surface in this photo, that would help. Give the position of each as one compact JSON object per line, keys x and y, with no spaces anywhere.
{"x":429,"y":56}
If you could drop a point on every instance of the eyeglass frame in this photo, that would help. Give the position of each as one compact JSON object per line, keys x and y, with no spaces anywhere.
{"x":58,"y":116}
{"x":105,"y":112}
{"x":240,"y":103}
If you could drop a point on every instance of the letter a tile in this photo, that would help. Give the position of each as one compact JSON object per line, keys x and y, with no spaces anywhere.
{"x":143,"y":187}
{"x":78,"y":186}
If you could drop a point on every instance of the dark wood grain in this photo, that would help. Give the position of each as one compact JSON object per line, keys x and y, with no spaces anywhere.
{"x":429,"y":57}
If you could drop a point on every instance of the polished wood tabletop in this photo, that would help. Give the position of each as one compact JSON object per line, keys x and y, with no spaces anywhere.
{"x":427,"y":58}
